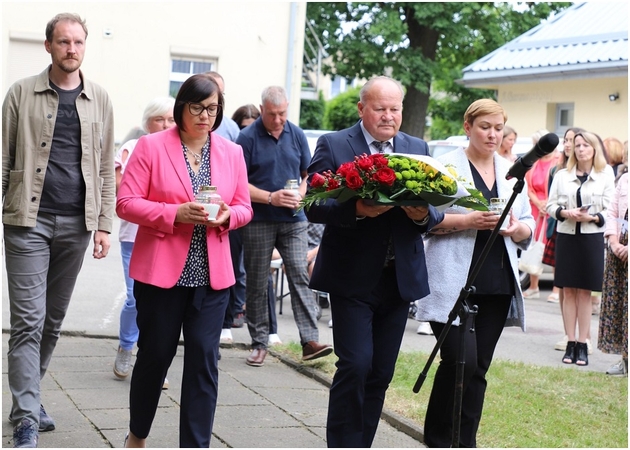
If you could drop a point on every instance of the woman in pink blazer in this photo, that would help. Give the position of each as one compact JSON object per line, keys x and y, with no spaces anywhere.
{"x":181,"y":262}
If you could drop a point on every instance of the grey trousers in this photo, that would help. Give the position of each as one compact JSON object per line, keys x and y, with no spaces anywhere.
{"x":42,"y":267}
{"x":291,"y":241}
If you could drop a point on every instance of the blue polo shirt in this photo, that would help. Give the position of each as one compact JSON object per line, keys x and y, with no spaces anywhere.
{"x":270,"y":163}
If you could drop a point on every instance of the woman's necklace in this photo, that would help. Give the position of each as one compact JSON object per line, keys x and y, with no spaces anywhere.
{"x":479,"y":167}
{"x":197,"y":156}
{"x":484,"y":170}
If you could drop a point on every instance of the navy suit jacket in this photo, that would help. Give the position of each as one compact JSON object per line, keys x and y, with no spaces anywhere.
{"x":352,"y":252}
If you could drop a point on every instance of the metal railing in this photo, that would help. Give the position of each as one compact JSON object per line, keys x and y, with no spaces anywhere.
{"x":312,"y":62}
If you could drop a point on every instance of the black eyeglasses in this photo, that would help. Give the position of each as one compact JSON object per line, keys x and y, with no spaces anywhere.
{"x":197,"y":108}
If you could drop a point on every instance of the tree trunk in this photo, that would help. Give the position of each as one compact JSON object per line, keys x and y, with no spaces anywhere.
{"x":424,"y":40}
{"x":414,"y":112}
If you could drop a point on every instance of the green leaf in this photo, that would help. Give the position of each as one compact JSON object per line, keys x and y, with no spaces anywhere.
{"x":345,"y":194}
{"x":472,"y":204}
{"x":435,"y":199}
{"x":399,"y":193}
{"x":382,"y":198}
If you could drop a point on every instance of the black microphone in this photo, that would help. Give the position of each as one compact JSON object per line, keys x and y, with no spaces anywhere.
{"x":545,"y":145}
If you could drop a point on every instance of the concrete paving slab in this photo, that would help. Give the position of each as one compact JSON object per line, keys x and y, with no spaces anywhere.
{"x":272,"y":406}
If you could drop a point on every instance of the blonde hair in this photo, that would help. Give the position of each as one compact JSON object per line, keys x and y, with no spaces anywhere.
{"x":599,"y":160}
{"x":483,"y":107}
{"x":614,"y":150}
{"x":507,"y":130}
{"x":538,"y":134}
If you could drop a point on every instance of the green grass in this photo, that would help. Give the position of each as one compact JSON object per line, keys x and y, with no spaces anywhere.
{"x":525,"y":405}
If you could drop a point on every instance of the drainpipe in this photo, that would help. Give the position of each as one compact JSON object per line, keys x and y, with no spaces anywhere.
{"x":291,"y":50}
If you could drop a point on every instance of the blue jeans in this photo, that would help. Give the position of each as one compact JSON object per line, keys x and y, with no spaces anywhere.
{"x":128,"y":332}
{"x":237,"y":291}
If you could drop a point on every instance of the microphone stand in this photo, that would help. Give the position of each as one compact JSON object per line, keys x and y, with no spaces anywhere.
{"x":465,"y":313}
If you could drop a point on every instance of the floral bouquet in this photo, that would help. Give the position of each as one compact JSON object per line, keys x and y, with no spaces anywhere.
{"x":395,"y":179}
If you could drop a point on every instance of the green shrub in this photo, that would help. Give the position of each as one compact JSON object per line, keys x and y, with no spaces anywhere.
{"x":341,"y":111}
{"x":312,"y":113}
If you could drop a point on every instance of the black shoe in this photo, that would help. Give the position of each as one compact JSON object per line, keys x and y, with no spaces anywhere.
{"x":569,"y":355}
{"x":581,"y":354}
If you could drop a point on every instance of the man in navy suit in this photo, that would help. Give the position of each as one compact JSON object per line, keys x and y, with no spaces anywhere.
{"x":370,"y":285}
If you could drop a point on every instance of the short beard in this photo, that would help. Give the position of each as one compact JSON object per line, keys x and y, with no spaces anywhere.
{"x":68,"y":65}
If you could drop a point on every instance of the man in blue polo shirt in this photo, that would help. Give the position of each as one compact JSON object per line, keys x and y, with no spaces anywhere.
{"x":275,"y":151}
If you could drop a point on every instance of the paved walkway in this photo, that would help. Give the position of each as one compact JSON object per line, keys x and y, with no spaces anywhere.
{"x":274,"y":406}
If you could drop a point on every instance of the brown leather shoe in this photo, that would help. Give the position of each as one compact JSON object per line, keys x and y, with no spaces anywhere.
{"x":313,"y":350}
{"x":257,"y":357}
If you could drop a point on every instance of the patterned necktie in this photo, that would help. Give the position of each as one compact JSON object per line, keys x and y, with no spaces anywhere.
{"x":389,"y":258}
{"x":380,"y":146}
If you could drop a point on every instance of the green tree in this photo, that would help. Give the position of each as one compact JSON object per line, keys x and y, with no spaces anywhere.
{"x":421,"y":44}
{"x":312,"y":113}
{"x":341,"y":111}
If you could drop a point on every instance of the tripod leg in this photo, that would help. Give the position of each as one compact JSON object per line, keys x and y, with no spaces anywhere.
{"x":464,"y":314}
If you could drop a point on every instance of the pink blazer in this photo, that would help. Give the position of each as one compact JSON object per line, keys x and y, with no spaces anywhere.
{"x":155,"y":183}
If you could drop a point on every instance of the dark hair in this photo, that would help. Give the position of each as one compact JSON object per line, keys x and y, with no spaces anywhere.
{"x":196,"y":89}
{"x":245,"y":112}
{"x":63,"y":17}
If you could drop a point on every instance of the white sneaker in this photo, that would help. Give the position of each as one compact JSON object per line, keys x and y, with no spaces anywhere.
{"x":274,"y":339}
{"x":226,"y":336}
{"x":561,"y":345}
{"x":122,"y":363}
{"x":424,"y":328}
{"x":531,"y":293}
{"x":165,"y":384}
{"x":330,"y":323}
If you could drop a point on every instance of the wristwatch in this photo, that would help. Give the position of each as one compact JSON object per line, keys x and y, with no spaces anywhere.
{"x":422,"y":222}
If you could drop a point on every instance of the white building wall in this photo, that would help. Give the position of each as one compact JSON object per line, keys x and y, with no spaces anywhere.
{"x":531,"y":106}
{"x":130,"y":44}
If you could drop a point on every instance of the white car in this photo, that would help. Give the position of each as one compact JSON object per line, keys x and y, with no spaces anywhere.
{"x":439,"y":148}
{"x":522,"y":146}
{"x":312,"y":136}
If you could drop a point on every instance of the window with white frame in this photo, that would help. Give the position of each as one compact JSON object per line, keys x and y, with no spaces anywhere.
{"x":182,"y":68}
{"x":564,"y":117}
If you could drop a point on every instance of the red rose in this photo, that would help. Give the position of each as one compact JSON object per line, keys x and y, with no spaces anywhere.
{"x":379,"y":160}
{"x":365,"y":163}
{"x":353,"y":180}
{"x":318,"y":181}
{"x":345,"y":168}
{"x":332,"y":184}
{"x":385,"y":176}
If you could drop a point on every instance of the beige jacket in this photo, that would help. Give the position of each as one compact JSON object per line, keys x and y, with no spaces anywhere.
{"x":598,"y":190}
{"x":29,"y":113}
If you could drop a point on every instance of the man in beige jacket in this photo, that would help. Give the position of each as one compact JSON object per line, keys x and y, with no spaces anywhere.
{"x":58,"y":187}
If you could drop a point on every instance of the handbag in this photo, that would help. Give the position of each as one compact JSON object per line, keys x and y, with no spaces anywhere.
{"x":531,"y":259}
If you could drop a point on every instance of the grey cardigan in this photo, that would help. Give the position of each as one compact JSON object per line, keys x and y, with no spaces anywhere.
{"x":449,"y":256}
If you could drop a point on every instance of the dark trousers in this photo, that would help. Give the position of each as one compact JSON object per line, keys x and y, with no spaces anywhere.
{"x":480,"y":345}
{"x":162,"y":315}
{"x":367,"y":333}
{"x":237,"y":291}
